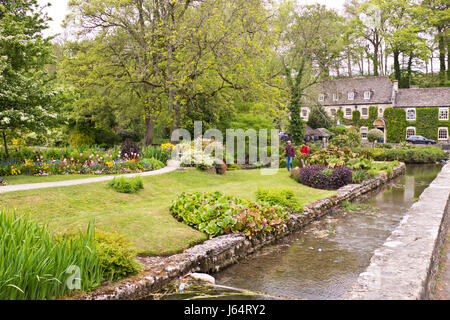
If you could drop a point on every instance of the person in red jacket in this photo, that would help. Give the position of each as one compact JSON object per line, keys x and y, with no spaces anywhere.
{"x":290,"y":155}
{"x":305,"y":153}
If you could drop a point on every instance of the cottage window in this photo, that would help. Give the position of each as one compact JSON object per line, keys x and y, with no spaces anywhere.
{"x":365,"y":112}
{"x":321,"y":97}
{"x":351,"y":96}
{"x":380,"y":112}
{"x":333,"y":112}
{"x":348,"y":112}
{"x":411,"y":114}
{"x":367,"y":95}
{"x":410,"y":131}
{"x":443,"y":134}
{"x":443,"y":114}
{"x":335,"y":97}
{"x":304,"y":113}
{"x":364,"y":131}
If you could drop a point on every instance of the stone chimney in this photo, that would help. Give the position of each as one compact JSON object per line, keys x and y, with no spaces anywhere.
{"x":396,"y":86}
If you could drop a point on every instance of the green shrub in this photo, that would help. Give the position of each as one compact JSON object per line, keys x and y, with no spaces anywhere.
{"x":375,"y":135}
{"x":156,"y":153}
{"x":233,"y":167}
{"x":413,"y":154}
{"x":216,"y":214}
{"x":282,"y":197}
{"x":126,"y":185}
{"x":78,"y":139}
{"x":360,"y":176}
{"x":116,"y":255}
{"x":151,"y":163}
{"x":351,"y":139}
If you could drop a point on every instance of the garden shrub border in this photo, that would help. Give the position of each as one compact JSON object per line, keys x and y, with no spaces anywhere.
{"x":218,"y":253}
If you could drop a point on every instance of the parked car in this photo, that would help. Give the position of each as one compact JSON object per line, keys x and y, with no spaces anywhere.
{"x":420,"y":140}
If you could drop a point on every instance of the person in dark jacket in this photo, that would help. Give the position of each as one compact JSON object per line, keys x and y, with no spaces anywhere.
{"x":290,"y":155}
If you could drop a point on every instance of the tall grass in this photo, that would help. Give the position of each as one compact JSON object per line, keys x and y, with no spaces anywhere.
{"x":155,"y":152}
{"x":33,"y":263}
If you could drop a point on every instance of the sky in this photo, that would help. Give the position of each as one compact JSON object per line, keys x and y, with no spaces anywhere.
{"x":59,"y":10}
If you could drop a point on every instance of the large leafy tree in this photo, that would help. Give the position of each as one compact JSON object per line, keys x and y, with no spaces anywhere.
{"x":175,"y":55}
{"x":310,"y":42}
{"x":27,"y":91}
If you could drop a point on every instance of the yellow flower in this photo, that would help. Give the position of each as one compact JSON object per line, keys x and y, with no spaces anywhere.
{"x":167,"y":146}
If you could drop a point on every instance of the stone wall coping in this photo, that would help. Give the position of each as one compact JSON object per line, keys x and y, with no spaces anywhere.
{"x":405,"y":267}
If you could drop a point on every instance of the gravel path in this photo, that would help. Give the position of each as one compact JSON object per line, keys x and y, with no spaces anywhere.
{"x":172,"y":166}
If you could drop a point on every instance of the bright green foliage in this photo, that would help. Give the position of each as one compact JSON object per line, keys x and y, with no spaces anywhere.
{"x":427,"y":123}
{"x":350,"y":139}
{"x":375,"y":135}
{"x":116,"y":255}
{"x":126,"y":185}
{"x":34,"y":264}
{"x":216,"y":214}
{"x":356,"y":116}
{"x":360,"y":175}
{"x":413,"y":154}
{"x":281,"y":197}
{"x":396,"y":124}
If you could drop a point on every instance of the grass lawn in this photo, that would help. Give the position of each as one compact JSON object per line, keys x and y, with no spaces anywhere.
{"x":145,"y":216}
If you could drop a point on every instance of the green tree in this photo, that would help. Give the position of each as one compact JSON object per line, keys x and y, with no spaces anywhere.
{"x":319,"y":118}
{"x":310,"y":42}
{"x":29,"y":100}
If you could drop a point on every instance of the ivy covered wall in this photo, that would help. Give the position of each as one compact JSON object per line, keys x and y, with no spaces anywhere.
{"x":427,"y":122}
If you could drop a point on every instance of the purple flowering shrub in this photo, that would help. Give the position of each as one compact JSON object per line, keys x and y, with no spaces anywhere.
{"x":323,"y":177}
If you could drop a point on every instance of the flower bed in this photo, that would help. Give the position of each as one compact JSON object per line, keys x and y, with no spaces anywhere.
{"x":323,"y":177}
{"x":217,"y":214}
{"x":42,"y":164}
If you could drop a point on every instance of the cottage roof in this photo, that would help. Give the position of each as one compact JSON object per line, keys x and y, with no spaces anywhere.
{"x":380,"y":87}
{"x":423,"y":97}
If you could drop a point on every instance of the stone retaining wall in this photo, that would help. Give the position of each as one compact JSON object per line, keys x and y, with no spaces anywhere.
{"x":406,"y":267}
{"x":221,"y":252}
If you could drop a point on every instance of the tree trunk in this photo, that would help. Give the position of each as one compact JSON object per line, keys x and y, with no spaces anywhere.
{"x":409,"y":73}
{"x":397,"y":69}
{"x":442,"y":51}
{"x":5,"y":143}
{"x":448,"y":58}
{"x":349,"y":64}
{"x":149,"y":131}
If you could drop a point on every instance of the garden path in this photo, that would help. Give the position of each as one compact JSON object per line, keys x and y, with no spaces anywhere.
{"x":171,"y":166}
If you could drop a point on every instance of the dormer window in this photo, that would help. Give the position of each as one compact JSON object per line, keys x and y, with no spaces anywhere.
{"x":335,"y":97}
{"x":367,"y":95}
{"x":351,"y":96}
{"x":322,"y":98}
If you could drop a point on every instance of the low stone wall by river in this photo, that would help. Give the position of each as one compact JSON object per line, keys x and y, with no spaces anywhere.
{"x":221,"y":252}
{"x":406,"y":267}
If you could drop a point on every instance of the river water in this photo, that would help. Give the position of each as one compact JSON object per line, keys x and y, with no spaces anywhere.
{"x":323,"y":261}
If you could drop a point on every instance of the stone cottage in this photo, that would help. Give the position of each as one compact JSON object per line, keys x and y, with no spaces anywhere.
{"x":365,"y":102}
